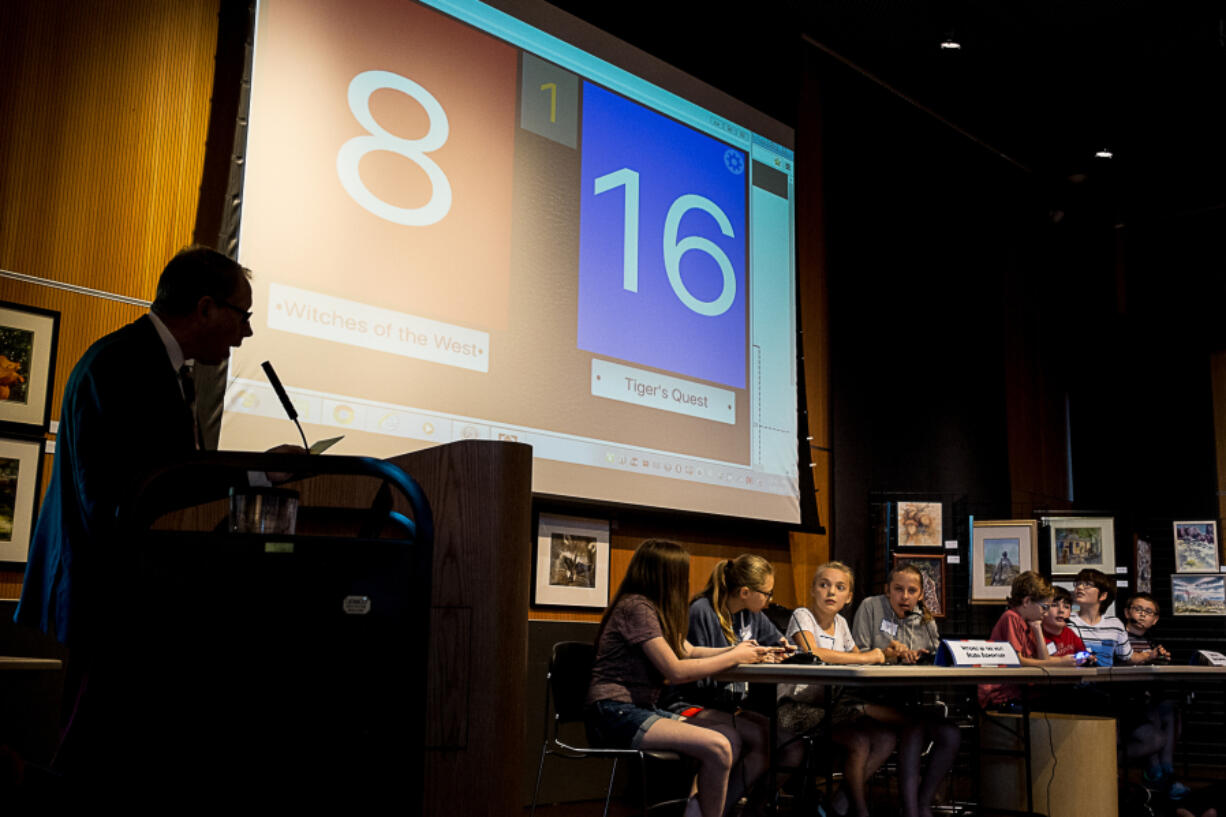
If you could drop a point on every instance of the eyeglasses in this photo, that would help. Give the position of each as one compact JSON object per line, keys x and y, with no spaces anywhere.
{"x":242,"y":313}
{"x":770,"y":594}
{"x":1083,"y":584}
{"x":1045,"y":606}
{"x":1143,"y":611}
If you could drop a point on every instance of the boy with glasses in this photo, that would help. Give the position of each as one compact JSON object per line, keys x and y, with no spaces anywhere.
{"x":1103,"y":635}
{"x":1152,"y":735}
{"x":1142,"y":615}
{"x":1022,"y":626}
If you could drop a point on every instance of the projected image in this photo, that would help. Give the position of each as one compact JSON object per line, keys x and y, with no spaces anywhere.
{"x":661,"y":242}
{"x":464,"y":228}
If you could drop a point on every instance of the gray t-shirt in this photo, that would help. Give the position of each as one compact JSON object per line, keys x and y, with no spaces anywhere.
{"x":876,"y":625}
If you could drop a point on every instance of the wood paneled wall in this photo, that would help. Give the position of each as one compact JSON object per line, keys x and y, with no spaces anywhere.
{"x":103,"y":113}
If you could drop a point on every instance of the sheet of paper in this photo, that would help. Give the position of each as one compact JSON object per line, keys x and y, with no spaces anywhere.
{"x":323,"y":445}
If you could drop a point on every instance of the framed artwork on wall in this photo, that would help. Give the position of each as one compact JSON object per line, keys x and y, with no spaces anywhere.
{"x":932,"y":566}
{"x":1198,"y":595}
{"x":919,"y":524}
{"x":1000,"y":551}
{"x":1145,"y":564}
{"x":21,"y":465}
{"x":572,"y":562}
{"x":1196,"y":547}
{"x":1081,"y":542}
{"x":27,"y":366}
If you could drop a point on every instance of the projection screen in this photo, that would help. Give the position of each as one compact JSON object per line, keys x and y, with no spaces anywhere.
{"x":466,"y":222}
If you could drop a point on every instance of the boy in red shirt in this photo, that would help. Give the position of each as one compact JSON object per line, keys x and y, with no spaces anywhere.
{"x":1061,"y":639}
{"x":1021,"y":625}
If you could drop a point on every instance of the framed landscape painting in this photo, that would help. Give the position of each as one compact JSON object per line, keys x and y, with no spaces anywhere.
{"x":933,"y":569}
{"x":1000,"y":552}
{"x":20,"y":473}
{"x":572,"y":561}
{"x":1203,"y":595}
{"x":919,"y":524}
{"x":1080,"y":542}
{"x":27,"y":365}
{"x":1196,"y":547}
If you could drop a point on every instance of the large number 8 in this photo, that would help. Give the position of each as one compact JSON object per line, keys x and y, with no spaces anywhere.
{"x":360,"y":90}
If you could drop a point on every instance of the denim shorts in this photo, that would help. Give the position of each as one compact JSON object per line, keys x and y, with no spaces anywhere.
{"x":620,"y":725}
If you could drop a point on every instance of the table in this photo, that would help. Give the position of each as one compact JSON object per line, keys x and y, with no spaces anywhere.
{"x":9,"y":662}
{"x":912,"y":675}
{"x":927,"y":676}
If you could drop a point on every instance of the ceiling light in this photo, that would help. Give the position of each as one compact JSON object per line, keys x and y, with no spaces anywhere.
{"x":950,"y":44}
{"x":1104,"y":154}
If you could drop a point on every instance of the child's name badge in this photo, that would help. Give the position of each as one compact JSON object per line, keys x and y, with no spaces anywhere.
{"x":826,"y":642}
{"x":890,"y":628}
{"x":1051,"y":648}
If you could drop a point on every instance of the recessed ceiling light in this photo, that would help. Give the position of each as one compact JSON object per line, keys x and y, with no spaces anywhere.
{"x":1104,"y":154}
{"x":950,"y":44}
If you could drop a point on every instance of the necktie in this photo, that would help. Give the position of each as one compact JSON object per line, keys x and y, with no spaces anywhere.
{"x":188,"y":384}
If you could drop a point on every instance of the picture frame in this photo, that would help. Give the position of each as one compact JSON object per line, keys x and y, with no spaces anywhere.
{"x":572,"y":562}
{"x":1198,"y":594}
{"x":933,"y":568}
{"x":28,"y":339}
{"x":1144,"y":561}
{"x":21,"y":472}
{"x":1078,"y":543}
{"x":919,"y":524}
{"x":1197,"y":547}
{"x":1001,"y":550}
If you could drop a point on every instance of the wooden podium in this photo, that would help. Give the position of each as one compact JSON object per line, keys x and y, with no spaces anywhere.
{"x":481,"y":494}
{"x":470,"y":707}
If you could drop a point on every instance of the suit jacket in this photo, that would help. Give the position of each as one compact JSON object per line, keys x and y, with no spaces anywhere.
{"x":123,"y":416}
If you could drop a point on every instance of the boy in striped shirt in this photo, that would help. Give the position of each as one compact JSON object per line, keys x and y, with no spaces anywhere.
{"x":1105,"y":636}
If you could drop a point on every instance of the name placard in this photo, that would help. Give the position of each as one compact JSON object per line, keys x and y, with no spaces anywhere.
{"x":972,"y":653}
{"x":1210,"y":658}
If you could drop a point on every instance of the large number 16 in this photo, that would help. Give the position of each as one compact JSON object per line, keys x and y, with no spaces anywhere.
{"x":361,"y":88}
{"x":673,"y":249}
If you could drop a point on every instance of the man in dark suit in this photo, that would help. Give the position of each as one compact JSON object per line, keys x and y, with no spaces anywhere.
{"x":127,"y":411}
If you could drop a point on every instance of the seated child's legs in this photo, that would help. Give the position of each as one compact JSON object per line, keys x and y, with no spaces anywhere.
{"x":714,"y":745}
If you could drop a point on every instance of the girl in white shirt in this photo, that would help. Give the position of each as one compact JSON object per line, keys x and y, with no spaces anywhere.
{"x":825,"y":633}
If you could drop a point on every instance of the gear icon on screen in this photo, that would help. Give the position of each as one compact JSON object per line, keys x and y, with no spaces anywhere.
{"x":734,"y":162}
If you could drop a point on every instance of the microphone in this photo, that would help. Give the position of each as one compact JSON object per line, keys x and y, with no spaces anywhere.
{"x":280,"y":390}
{"x":285,"y":401}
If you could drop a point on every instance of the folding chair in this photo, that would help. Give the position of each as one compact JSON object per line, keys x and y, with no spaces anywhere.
{"x":570,"y":670}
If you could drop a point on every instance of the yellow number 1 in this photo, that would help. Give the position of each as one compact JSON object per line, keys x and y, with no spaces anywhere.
{"x":553,"y":100}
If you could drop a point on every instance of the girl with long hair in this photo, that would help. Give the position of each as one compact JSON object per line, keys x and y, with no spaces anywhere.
{"x":640,"y":645}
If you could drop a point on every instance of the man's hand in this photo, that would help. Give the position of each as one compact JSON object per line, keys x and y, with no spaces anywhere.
{"x":277,"y":477}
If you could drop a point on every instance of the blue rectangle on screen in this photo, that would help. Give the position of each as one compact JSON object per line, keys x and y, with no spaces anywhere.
{"x":662,"y":231}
